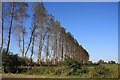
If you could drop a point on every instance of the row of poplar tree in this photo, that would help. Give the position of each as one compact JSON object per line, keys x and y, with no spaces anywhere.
{"x":45,"y":37}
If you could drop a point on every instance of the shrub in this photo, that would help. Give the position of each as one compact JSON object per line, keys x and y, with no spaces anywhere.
{"x":101,"y":61}
{"x":35,"y":71}
{"x":71,"y":72}
{"x":99,"y":72}
{"x":78,"y":71}
{"x":71,"y":63}
{"x":57,"y":72}
{"x":21,"y":70}
{"x":111,"y":62}
{"x":76,"y":67}
{"x":10,"y":62}
{"x":41,"y":70}
{"x":102,"y":70}
{"x":84,"y":70}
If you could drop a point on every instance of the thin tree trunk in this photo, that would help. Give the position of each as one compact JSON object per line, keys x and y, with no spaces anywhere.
{"x":10,"y":28}
{"x":30,"y":40}
{"x":55,"y":52}
{"x":23,"y":45}
{"x":19,"y":45}
{"x":42,"y":38}
{"x":62,"y":52}
{"x":47,"y":51}
{"x":40,"y":49}
{"x":32,"y":51}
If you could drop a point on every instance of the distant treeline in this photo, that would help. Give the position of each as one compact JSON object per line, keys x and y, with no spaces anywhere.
{"x":44,"y":38}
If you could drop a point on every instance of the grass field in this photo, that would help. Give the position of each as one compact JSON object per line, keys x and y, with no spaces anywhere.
{"x":61,"y":71}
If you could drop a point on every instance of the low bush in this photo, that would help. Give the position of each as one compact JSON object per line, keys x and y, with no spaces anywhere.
{"x":77,"y":72}
{"x":76,"y":67}
{"x":35,"y":71}
{"x":41,"y":70}
{"x":21,"y":70}
{"x":99,"y":72}
{"x":58,"y":72}
{"x":71,"y":63}
{"x":102,"y":70}
{"x":85,"y":70}
{"x":10,"y":62}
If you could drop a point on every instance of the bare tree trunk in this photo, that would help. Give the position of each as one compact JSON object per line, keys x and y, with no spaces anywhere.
{"x":40,"y":49}
{"x":32,"y":50}
{"x":47,"y":51}
{"x":23,"y":44}
{"x":55,"y":54}
{"x":2,"y":28}
{"x":62,"y":52}
{"x":30,"y":40}
{"x":10,"y":28}
{"x":19,"y":45}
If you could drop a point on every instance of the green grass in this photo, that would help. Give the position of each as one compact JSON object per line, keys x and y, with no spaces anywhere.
{"x":113,"y":69}
{"x":63,"y":72}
